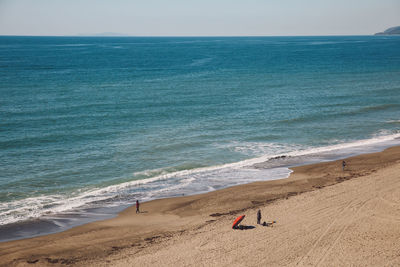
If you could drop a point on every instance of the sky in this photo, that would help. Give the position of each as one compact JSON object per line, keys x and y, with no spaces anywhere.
{"x":198,"y":17}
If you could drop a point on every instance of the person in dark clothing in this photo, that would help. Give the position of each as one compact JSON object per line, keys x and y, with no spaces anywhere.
{"x":343,"y":165}
{"x":137,"y":206}
{"x":258,"y":216}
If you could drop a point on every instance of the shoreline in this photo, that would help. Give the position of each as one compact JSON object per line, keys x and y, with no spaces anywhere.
{"x":274,"y":167}
{"x":165,"y":218}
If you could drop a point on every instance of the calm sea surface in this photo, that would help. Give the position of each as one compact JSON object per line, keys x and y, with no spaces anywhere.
{"x":90,"y":123}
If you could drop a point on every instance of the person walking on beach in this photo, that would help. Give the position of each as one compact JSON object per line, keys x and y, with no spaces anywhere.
{"x":258,"y":216}
{"x":137,"y":206}
{"x":343,"y":165}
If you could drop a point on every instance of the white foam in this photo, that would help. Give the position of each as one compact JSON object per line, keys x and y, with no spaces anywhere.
{"x":200,"y":62}
{"x":186,"y":181}
{"x":380,"y":137}
{"x":393,"y":121}
{"x":69,"y":45}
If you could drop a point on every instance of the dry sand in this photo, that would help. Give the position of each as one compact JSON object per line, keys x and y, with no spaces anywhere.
{"x":325,"y":217}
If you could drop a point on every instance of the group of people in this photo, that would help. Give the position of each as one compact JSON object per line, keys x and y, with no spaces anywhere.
{"x":264,"y":223}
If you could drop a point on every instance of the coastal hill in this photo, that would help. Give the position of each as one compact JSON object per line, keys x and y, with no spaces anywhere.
{"x":102,"y":34}
{"x":390,"y":31}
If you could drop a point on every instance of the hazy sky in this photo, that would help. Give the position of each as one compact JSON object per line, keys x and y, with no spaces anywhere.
{"x":200,"y":17}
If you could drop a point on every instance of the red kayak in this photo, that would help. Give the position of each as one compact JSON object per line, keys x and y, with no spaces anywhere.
{"x":237,"y":221}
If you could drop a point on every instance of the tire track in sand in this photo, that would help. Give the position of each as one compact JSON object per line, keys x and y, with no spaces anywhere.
{"x":342,"y":218}
{"x":318,"y":241}
{"x":342,"y":231}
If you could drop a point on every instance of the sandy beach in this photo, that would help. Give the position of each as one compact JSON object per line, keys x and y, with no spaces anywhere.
{"x":324,"y":216}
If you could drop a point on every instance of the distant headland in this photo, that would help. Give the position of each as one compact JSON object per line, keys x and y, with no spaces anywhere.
{"x":102,"y":34}
{"x":390,"y":31}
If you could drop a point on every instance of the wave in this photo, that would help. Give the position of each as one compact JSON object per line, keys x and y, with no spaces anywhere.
{"x":334,"y":42}
{"x":200,"y":62}
{"x":69,"y":45}
{"x":363,"y":110}
{"x":393,"y":121}
{"x":369,"y":109}
{"x":190,"y":75}
{"x":379,"y":107}
{"x":167,"y":182}
{"x":324,"y":43}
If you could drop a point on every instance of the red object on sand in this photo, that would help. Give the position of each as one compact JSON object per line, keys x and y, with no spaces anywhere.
{"x":237,"y":221}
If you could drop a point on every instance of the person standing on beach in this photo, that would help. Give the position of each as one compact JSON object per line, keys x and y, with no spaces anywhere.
{"x":258,"y":216}
{"x":343,"y":165}
{"x":137,"y":206}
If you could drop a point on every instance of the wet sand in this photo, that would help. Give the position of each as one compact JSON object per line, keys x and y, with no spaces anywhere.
{"x":325,"y":216}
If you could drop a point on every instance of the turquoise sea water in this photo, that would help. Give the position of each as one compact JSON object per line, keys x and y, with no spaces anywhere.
{"x":89,"y":123}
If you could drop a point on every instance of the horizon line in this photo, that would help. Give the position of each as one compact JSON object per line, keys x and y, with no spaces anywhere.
{"x":182,"y":36}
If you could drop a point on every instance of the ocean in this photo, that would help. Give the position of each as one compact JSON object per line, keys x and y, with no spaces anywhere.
{"x":90,"y":124}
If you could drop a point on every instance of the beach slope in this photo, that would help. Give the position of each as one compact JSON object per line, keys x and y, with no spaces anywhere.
{"x":325,"y":216}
